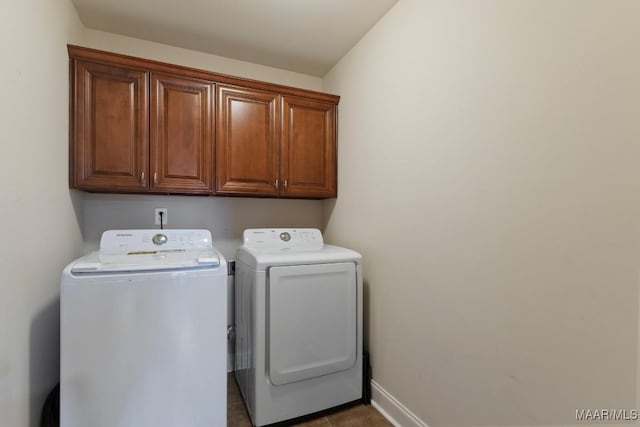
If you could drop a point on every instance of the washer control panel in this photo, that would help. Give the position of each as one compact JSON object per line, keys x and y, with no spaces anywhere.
{"x":123,"y":241}
{"x":283,"y":238}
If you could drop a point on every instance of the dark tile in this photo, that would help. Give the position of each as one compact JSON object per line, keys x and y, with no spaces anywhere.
{"x":233,"y":393}
{"x":359,"y":416}
{"x":237,"y":416}
{"x":318,"y":422}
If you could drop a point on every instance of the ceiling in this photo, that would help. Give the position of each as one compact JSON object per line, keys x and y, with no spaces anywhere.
{"x":307,"y":36}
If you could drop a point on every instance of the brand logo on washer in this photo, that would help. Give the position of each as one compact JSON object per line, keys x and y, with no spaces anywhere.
{"x":285,"y":237}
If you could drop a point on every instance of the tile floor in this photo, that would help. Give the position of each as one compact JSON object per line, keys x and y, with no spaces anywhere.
{"x":356,"y":416}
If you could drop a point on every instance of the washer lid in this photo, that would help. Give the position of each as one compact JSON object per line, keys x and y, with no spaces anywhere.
{"x":99,"y":262}
{"x":144,"y":250}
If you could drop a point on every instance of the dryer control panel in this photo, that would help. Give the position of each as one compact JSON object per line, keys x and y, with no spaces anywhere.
{"x":277,"y":239}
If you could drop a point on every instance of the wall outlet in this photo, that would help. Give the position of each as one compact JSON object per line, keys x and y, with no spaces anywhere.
{"x":165,"y":216}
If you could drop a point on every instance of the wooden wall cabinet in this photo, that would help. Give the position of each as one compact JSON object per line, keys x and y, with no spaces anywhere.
{"x":111,"y":127}
{"x":143,"y":126}
{"x":308,"y":149}
{"x":247,"y":142}
{"x":124,"y":144}
{"x":272,"y":145}
{"x":181,"y":137}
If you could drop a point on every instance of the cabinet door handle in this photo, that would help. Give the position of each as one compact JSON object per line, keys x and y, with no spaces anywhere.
{"x":155,"y":178}
{"x":142,"y":178}
{"x":275,"y":183}
{"x":285,"y":184}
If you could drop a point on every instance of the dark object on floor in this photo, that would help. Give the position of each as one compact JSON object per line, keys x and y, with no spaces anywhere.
{"x":50,"y":416}
{"x":366,"y":378}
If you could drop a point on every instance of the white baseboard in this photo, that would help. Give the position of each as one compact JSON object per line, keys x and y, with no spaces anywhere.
{"x":392,"y":409}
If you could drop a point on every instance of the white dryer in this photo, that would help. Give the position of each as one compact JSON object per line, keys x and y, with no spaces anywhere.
{"x":298,"y":324}
{"x":143,"y":332}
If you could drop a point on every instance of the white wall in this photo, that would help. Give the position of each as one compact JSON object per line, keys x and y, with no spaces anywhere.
{"x":489,"y":174}
{"x":40,"y":218}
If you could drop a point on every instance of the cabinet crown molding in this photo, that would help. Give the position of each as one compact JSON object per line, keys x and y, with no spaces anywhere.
{"x":94,"y":55}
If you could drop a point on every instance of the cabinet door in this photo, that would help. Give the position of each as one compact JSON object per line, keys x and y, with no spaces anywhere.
{"x":308,"y":153}
{"x":247,"y":142}
{"x":181,"y":134}
{"x":111,"y":128}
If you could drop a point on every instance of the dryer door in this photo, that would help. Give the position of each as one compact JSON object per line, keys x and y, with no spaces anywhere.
{"x":312,"y":318}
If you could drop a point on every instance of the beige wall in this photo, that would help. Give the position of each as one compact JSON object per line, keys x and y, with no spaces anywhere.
{"x":175,"y":55}
{"x":39,"y":217}
{"x":489,"y":174}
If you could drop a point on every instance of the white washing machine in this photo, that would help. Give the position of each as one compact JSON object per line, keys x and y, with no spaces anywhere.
{"x":298,"y":324}
{"x":143,"y":332}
